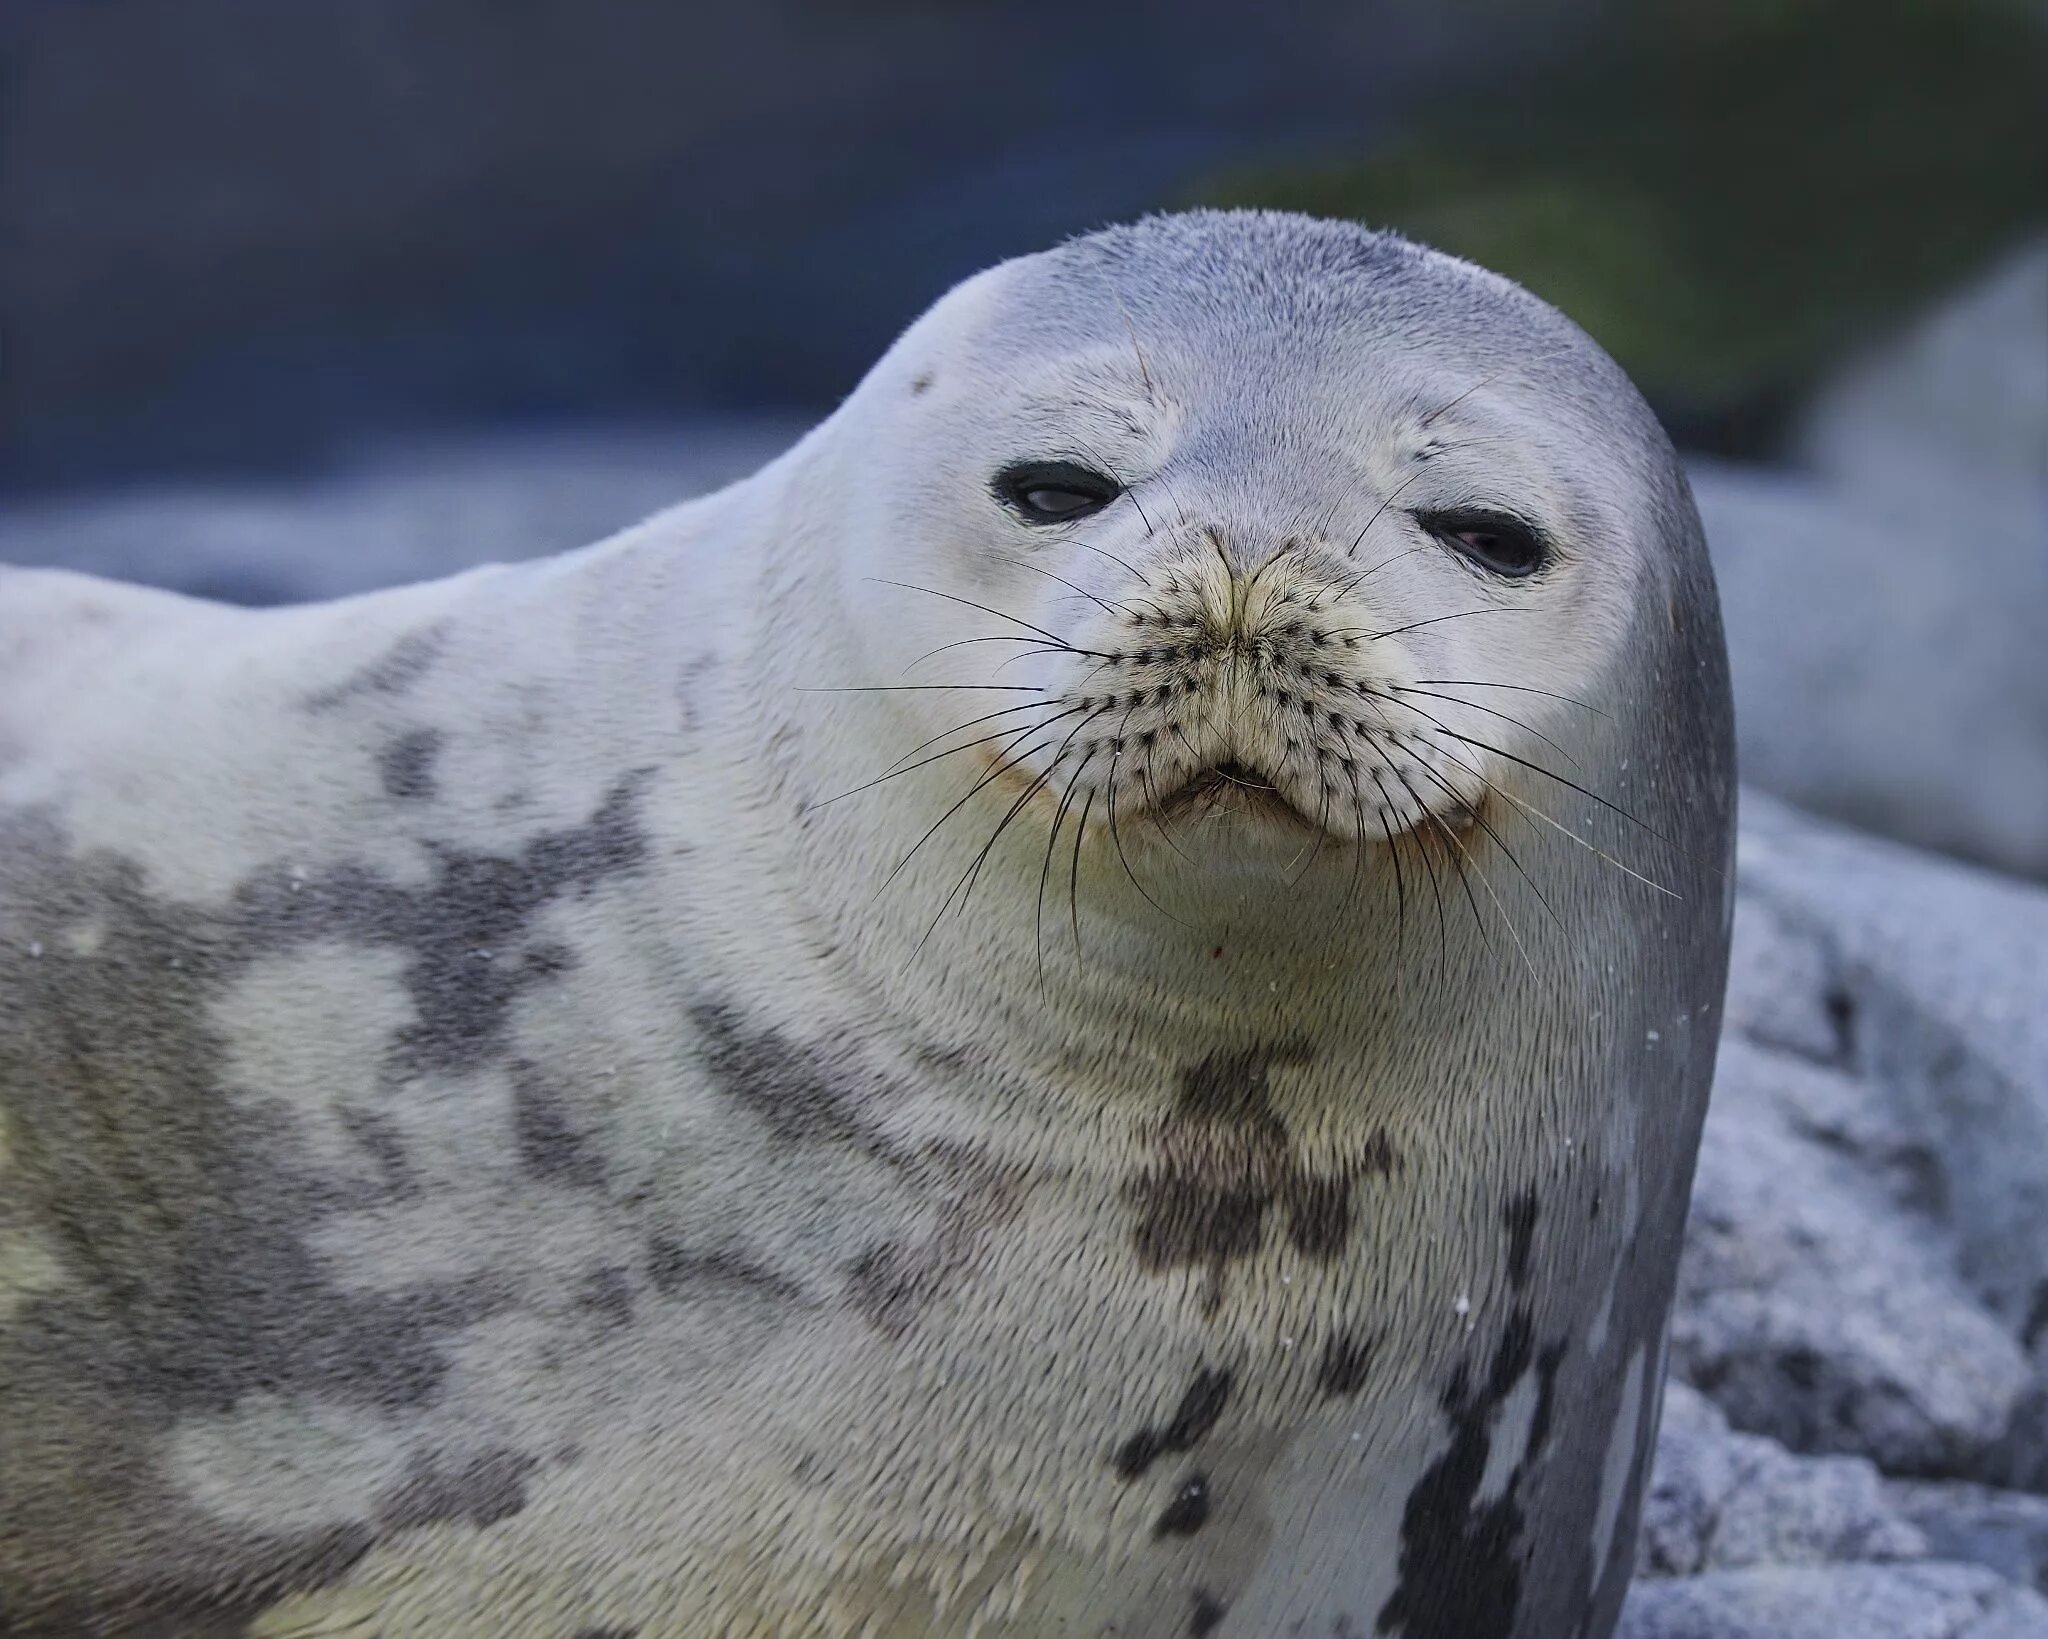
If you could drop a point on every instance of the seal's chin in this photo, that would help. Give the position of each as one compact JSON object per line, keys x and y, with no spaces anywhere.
{"x":1233,"y":796}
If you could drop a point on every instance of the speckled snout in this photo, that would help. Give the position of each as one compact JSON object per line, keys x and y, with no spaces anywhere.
{"x":1266,"y":688}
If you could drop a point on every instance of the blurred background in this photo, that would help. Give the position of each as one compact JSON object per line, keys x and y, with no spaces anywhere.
{"x":300,"y":299}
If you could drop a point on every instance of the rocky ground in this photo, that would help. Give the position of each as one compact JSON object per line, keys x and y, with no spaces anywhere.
{"x":1856,"y":1430}
{"x":1856,"y":1426}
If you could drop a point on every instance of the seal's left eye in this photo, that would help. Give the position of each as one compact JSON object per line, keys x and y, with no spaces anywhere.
{"x":1054,"y":492}
{"x":1493,"y":540}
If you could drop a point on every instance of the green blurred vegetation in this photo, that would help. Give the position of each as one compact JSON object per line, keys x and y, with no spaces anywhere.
{"x":1728,"y":196}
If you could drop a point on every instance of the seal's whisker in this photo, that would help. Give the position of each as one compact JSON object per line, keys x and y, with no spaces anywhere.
{"x":952,"y":751}
{"x":1394,"y":853}
{"x":897,"y":688}
{"x":1052,"y":838}
{"x":1436,"y":892}
{"x":1520,"y":688}
{"x":1382,"y":507}
{"x":1434,"y":620}
{"x":1036,"y":569}
{"x":1500,"y":909}
{"x":1152,"y":810}
{"x":1456,"y":860}
{"x":1116,"y":836}
{"x":1446,"y":408}
{"x":950,"y":597}
{"x":1316,"y":604}
{"x":1322,"y":831}
{"x":972,"y":722}
{"x":966,"y":642}
{"x":1469,"y":705}
{"x":972,"y":875}
{"x":1104,"y":552}
{"x":1592,"y":848}
{"x":967,"y":876}
{"x":1479,"y":817}
{"x":1529,"y":811}
{"x":1059,"y":753}
{"x":1074,"y":873}
{"x":994,"y":772}
{"x":1350,"y":767}
{"x":1552,"y":774}
{"x":1004,"y":763}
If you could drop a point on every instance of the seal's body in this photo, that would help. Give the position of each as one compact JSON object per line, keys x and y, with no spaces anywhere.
{"x":498,"y":1140}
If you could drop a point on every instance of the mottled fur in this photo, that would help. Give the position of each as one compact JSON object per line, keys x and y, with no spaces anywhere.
{"x":480,"y":1156}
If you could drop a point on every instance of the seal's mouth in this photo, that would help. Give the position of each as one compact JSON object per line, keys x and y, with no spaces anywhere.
{"x":1233,"y":789}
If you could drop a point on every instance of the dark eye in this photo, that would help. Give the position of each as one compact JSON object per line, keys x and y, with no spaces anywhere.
{"x":1493,"y":540}
{"x":1054,"y":492}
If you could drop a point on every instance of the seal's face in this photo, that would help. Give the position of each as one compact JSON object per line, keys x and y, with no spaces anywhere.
{"x":1251,"y":561}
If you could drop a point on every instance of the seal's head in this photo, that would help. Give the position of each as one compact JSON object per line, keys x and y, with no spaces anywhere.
{"x":1250,"y":537}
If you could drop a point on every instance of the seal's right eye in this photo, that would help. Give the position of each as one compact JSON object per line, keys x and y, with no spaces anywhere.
{"x":1054,"y":492}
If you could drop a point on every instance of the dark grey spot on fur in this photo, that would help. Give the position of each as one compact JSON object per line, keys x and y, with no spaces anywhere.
{"x":1521,"y":1225}
{"x":551,"y":1151}
{"x":825,"y":1096}
{"x":401,"y":666}
{"x":606,"y":1633}
{"x":465,"y":933}
{"x":1206,"y":1613}
{"x":796,"y":1093}
{"x":1188,"y":1512}
{"x":1346,"y":1365}
{"x":205,"y":1597}
{"x":1462,"y":1560}
{"x":382,"y":1140}
{"x":921,"y":382}
{"x":608,"y":1293}
{"x":482,"y":1491}
{"x":883,"y":1283}
{"x":406,"y":764}
{"x":1227,"y":1164}
{"x":691,"y":678}
{"x":677,"y":1270}
{"x":1192,"y":1419}
{"x":186,"y":1217}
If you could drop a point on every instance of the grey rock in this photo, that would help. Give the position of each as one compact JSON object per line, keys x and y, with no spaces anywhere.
{"x":1925,"y":1600}
{"x":1882,"y":603}
{"x":1722,"y":1501}
{"x":1809,"y":1307}
{"x":1865,"y":1269}
{"x":1884,"y":654}
{"x":2004,"y":1530}
{"x":1935,"y":982}
{"x":2021,"y":1459}
{"x":1963,"y":392}
{"x":384,"y":515}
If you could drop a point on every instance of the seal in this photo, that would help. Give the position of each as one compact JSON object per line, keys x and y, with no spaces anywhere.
{"x":1083,"y":1008}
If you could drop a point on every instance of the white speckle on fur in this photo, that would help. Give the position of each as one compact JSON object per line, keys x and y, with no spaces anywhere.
{"x":35,"y":948}
{"x":1511,"y":1432}
{"x":287,"y":1465}
{"x":27,"y":1266}
{"x":1603,"y":1318}
{"x":85,"y":938}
